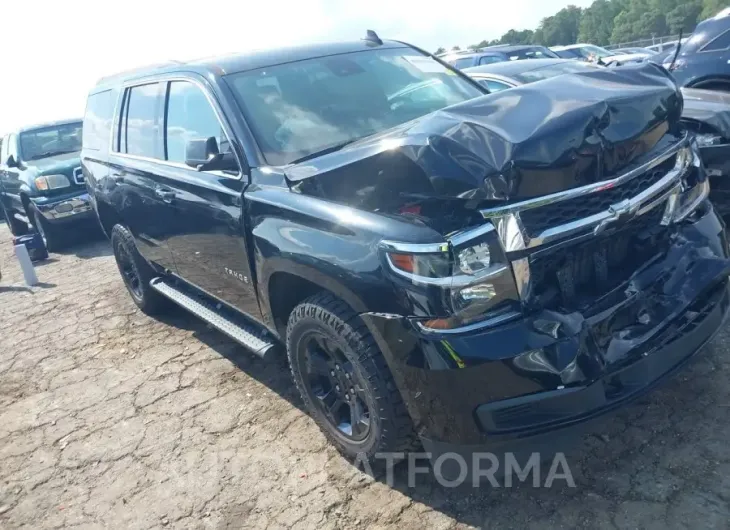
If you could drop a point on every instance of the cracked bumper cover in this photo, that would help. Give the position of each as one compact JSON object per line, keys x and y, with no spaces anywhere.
{"x":533,"y":378}
{"x":73,"y":206}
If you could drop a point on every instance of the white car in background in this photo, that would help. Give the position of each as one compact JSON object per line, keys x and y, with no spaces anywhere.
{"x":591,"y":52}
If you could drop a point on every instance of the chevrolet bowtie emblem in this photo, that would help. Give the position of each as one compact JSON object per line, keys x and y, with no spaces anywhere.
{"x":621,"y":213}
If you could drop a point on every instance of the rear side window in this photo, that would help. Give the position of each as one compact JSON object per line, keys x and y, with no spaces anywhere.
{"x":721,"y":42}
{"x":494,"y":86}
{"x":489,"y":59}
{"x":97,"y":120}
{"x":464,"y":62}
{"x":139,"y":128}
{"x":190,"y":116}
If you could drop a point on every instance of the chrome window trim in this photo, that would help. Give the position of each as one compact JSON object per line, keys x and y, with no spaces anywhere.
{"x":167,"y":79}
{"x":587,"y":189}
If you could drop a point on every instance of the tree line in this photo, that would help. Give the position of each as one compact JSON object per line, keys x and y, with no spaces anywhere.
{"x":612,"y":22}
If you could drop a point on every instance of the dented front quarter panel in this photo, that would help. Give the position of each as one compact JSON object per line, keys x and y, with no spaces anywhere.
{"x":448,"y":380}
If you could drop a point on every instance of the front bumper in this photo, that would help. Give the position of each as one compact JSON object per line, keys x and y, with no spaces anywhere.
{"x":72,"y":206}
{"x":533,"y":378}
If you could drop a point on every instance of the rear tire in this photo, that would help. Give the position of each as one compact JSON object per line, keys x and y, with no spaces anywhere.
{"x":354,"y":373}
{"x":136,"y":273}
{"x":52,"y":236}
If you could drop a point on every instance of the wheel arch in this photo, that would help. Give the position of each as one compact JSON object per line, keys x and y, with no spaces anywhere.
{"x":287,"y":284}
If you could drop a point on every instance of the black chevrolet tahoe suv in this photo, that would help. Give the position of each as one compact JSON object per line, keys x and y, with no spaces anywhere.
{"x":41,"y":184}
{"x":442,"y":266}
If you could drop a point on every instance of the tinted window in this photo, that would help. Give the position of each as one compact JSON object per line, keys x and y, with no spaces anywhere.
{"x":721,"y":42}
{"x":98,"y":120}
{"x":464,"y":62}
{"x":301,"y":108}
{"x":530,"y":53}
{"x":489,"y":59}
{"x":190,"y":116}
{"x":494,"y":86}
{"x":140,"y":130}
{"x":567,"y":54}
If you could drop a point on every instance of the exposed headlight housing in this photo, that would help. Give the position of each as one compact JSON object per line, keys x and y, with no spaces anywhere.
{"x":708,"y":139}
{"x":52,"y":182}
{"x":468,"y":276}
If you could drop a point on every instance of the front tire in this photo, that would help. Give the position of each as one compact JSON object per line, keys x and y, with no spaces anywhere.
{"x":344,"y":380}
{"x":52,"y":237}
{"x":136,"y":273}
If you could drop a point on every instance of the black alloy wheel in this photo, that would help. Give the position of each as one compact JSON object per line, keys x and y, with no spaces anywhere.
{"x":334,"y":386}
{"x":345,"y":381}
{"x":130,"y":273}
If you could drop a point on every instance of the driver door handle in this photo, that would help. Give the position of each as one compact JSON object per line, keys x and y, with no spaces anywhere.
{"x":165,"y":194}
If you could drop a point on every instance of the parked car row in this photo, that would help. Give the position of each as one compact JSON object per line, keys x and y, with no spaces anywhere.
{"x":701,"y":61}
{"x":440,"y":265}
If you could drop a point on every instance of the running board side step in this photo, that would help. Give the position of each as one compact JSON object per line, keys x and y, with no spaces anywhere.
{"x":245,"y":334}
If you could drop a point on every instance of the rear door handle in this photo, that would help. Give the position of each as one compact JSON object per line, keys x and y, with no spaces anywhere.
{"x":165,"y":195}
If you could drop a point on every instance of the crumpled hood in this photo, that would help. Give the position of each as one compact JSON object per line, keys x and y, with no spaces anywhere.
{"x":711,"y":107}
{"x":521,"y":143}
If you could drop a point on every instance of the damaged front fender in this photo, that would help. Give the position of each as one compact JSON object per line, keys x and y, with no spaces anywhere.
{"x":517,"y":377}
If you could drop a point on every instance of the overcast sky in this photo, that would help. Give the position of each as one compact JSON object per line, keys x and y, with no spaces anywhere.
{"x":54,"y":51}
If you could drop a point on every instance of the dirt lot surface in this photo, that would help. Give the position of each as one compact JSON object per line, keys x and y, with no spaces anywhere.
{"x":109,"y":418}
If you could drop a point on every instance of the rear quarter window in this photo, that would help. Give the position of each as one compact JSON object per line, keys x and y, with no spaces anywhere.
{"x":98,"y":121}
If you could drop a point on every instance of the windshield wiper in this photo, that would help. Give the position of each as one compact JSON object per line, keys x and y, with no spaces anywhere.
{"x":51,"y":153}
{"x":327,"y":150}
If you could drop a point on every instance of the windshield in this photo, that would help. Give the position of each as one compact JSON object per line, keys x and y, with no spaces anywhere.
{"x":591,"y":52}
{"x":50,"y":141}
{"x":299,"y":109}
{"x":570,"y":67}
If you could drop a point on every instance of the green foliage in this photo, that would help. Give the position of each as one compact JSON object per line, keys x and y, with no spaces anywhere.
{"x":562,"y":27}
{"x":440,"y":50}
{"x":613,"y":21}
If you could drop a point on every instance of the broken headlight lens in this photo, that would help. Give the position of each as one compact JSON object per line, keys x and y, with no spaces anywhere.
{"x":467,"y":280}
{"x":708,"y":139}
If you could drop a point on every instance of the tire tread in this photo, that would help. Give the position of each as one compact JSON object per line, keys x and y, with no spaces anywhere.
{"x":398,"y":434}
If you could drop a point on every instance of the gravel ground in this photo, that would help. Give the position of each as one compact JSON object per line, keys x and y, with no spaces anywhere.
{"x":109,"y":418}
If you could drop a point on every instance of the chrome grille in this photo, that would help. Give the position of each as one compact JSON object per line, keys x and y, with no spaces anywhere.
{"x":587,"y":239}
{"x":537,"y":220}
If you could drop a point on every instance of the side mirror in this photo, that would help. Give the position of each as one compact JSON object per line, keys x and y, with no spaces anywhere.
{"x":11,"y":162}
{"x":203,"y":155}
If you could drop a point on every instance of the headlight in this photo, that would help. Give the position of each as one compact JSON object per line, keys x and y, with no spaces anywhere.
{"x":51,"y":182}
{"x":708,"y":139}
{"x":464,"y":281}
